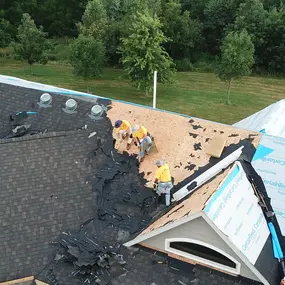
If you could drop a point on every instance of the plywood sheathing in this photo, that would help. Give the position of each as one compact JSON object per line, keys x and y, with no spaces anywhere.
{"x":182,"y":143}
{"x":176,"y":138}
{"x":216,"y":146}
{"x":193,"y":204}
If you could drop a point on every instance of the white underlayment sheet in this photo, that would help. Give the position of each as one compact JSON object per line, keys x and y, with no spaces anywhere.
{"x":235,"y":211}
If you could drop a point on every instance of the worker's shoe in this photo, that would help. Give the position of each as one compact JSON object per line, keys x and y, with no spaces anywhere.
{"x":128,"y":146}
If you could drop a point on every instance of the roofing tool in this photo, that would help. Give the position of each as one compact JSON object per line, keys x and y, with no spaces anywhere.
{"x":260,"y":197}
{"x":277,"y":251}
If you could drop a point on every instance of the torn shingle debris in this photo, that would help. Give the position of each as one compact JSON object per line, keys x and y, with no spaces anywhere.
{"x":193,"y":135}
{"x":190,"y":166}
{"x":92,"y":258}
{"x":197,"y":146}
{"x":196,"y":127}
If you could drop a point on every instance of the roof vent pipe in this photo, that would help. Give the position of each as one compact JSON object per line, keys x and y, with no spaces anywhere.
{"x":70,"y":106}
{"x":45,"y":100}
{"x":97,"y":112}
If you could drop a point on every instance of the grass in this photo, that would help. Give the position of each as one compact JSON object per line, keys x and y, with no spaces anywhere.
{"x":196,"y":94}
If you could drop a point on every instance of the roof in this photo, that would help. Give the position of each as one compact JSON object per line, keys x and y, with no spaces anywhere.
{"x":176,"y":138}
{"x":61,"y":190}
{"x":269,"y":120}
{"x":181,"y":141}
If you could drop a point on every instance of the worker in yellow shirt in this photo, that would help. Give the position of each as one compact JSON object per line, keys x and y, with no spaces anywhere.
{"x":124,"y":131}
{"x":142,"y":139}
{"x":162,"y":181}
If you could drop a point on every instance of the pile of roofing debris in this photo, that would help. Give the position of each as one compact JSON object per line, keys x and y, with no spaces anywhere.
{"x":17,"y":128}
{"x":95,"y":261}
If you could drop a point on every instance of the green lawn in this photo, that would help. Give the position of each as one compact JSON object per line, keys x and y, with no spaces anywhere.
{"x":196,"y":94}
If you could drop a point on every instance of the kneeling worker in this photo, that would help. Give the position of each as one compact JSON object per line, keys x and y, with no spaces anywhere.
{"x":124,"y":131}
{"x":162,"y":181}
{"x":143,"y":140}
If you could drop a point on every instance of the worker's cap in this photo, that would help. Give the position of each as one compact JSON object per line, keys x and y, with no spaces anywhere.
{"x":135,"y":128}
{"x":118,"y":123}
{"x":159,"y":162}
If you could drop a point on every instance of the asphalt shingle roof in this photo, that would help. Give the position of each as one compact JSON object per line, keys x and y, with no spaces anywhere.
{"x":59,"y":180}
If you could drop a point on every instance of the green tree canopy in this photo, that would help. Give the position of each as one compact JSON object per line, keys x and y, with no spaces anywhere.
{"x":218,"y":15}
{"x":237,"y":57}
{"x":32,"y":44}
{"x":87,"y":57}
{"x":94,"y":20}
{"x":142,"y":53}
{"x":252,"y":16}
{"x":5,"y":33}
{"x":274,"y":46}
{"x":183,"y":32}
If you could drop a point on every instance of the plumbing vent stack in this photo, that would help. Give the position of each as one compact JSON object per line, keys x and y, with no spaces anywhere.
{"x":70,"y":106}
{"x":96,"y":112}
{"x":45,"y":100}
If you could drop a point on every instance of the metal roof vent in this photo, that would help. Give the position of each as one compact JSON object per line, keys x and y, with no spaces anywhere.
{"x":45,"y":100}
{"x":97,"y":112}
{"x":70,"y":106}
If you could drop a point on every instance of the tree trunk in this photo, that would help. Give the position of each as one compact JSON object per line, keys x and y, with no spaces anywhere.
{"x":31,"y":69}
{"x":146,"y":92}
{"x":229,"y":92}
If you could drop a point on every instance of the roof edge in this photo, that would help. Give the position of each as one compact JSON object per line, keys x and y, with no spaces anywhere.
{"x":86,"y":96}
{"x":163,"y":229}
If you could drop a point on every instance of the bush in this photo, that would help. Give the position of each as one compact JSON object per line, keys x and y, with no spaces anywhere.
{"x":206,"y":63}
{"x":60,"y":50}
{"x":184,"y":64}
{"x":6,"y":52}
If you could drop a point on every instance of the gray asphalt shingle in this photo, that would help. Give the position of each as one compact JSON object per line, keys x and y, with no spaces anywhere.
{"x":49,"y":184}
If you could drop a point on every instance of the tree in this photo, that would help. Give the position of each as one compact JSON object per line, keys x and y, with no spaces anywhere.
{"x":5,"y":33}
{"x":87,"y":57}
{"x":274,"y":56}
{"x":142,"y":53}
{"x":252,"y":16}
{"x":32,"y":44}
{"x":94,"y":20}
{"x":218,"y":15}
{"x":183,"y":32}
{"x":236,"y":59}
{"x":196,"y":7}
{"x":59,"y":17}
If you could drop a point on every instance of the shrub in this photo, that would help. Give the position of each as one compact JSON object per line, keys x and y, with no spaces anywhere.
{"x":184,"y":64}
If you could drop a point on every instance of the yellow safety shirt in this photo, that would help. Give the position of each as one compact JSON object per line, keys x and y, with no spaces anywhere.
{"x":163,"y":174}
{"x":140,"y":133}
{"x":124,"y":126}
